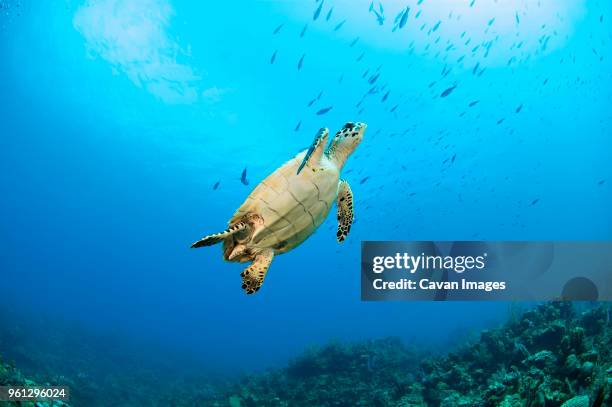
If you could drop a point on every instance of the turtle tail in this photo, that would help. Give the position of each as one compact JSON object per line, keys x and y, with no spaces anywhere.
{"x":219,"y":237}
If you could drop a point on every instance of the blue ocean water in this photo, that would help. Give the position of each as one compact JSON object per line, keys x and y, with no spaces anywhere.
{"x":486,"y":120}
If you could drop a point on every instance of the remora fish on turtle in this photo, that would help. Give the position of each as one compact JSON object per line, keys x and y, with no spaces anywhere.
{"x":289,"y":205}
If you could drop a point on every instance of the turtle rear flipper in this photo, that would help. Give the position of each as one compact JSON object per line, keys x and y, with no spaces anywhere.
{"x":254,"y":275}
{"x":219,"y":237}
{"x":315,"y":152}
{"x":345,"y":210}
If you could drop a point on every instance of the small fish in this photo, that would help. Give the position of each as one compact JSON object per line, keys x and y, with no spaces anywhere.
{"x":303,"y":30}
{"x":500,"y":121}
{"x":297,"y":127}
{"x":518,"y":109}
{"x":364,"y":180}
{"x":393,"y":108}
{"x":340,"y":24}
{"x":379,"y":18}
{"x":277,"y":29}
{"x":474,"y":103}
{"x":516,"y":17}
{"x":453,"y":158}
{"x":329,"y":14}
{"x":243,"y":177}
{"x":475,"y":68}
{"x":384,"y":98}
{"x":371,"y":7}
{"x":354,"y":42}
{"x":317,"y":12}
{"x":435,"y":27}
{"x":273,"y":57}
{"x":404,"y":19}
{"x":472,"y":3}
{"x":311,"y":102}
{"x":491,"y":21}
{"x":360,"y":57}
{"x":216,"y":185}
{"x":535,"y":201}
{"x":301,"y":62}
{"x":398,"y":16}
{"x":373,"y":78}
{"x":324,"y":110}
{"x":319,"y":95}
{"x":448,"y":91}
{"x":601,"y":182}
{"x":380,"y":7}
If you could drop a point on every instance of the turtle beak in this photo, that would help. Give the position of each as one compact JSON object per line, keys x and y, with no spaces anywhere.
{"x":237,"y":251}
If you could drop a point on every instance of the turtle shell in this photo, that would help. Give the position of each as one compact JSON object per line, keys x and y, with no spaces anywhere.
{"x":291,"y":206}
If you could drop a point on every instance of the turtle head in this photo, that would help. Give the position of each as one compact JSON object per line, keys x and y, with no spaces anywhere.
{"x":237,"y":246}
{"x":345,"y":142}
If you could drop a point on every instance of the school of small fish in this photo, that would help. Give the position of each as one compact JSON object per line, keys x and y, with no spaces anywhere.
{"x":463,"y":53}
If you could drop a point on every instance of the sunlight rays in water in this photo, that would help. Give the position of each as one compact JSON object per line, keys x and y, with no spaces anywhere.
{"x":133,"y":38}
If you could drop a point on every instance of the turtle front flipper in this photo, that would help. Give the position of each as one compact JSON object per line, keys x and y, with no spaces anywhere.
{"x":315,"y":152}
{"x":253,"y":276}
{"x":219,"y":237}
{"x":345,"y":210}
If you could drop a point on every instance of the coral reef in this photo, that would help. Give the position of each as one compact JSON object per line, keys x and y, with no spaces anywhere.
{"x":551,"y":355}
{"x":100,"y":369}
{"x":10,"y":375}
{"x":373,"y":373}
{"x":547,"y":357}
{"x":555,"y":355}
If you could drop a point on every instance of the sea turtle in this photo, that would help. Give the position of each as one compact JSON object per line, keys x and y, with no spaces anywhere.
{"x":289,"y":205}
